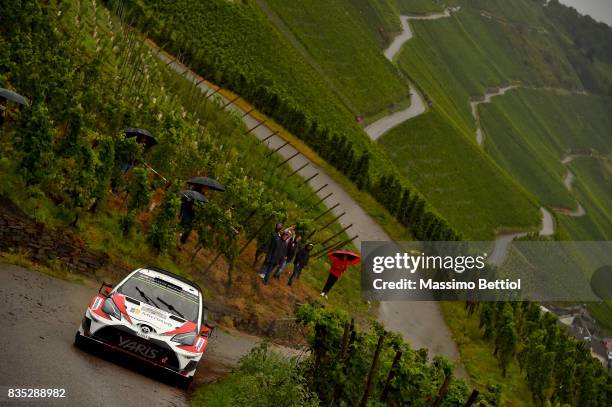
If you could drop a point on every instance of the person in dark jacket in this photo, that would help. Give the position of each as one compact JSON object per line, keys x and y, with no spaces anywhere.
{"x":301,"y":260}
{"x":278,"y":255}
{"x":274,"y":241}
{"x":186,"y":215}
{"x":292,"y":247}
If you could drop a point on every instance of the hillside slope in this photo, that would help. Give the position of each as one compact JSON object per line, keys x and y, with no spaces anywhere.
{"x":455,"y":60}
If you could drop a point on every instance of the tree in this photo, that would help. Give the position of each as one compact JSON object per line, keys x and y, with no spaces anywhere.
{"x":103,"y":171}
{"x":505,"y":338}
{"x":164,"y":226}
{"x":36,"y":144}
{"x":361,"y":170}
{"x":139,"y":194}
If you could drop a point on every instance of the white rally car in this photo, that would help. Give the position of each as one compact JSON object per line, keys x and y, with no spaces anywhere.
{"x":153,"y":315}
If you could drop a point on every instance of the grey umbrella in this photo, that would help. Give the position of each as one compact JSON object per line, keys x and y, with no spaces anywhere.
{"x":206,"y":182}
{"x":14,"y":97}
{"x":195,"y":195}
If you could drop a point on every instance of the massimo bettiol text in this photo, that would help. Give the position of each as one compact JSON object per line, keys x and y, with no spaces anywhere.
{"x":487,"y":271}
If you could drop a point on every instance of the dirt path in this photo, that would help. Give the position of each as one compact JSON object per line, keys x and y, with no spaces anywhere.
{"x":420,"y":323}
{"x":41,"y":315}
{"x":486,"y":99}
{"x":417,"y":102}
{"x":547,"y":220}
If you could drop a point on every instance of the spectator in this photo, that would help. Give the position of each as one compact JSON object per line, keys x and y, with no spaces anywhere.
{"x":274,"y":241}
{"x":279,"y":253}
{"x":340,"y":260}
{"x":301,"y":261}
{"x":186,"y":216}
{"x":292,"y":247}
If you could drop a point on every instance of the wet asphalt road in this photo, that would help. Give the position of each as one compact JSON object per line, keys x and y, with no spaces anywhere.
{"x":40,"y":315}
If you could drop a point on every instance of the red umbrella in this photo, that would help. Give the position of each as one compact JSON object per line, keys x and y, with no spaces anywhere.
{"x":344,"y":257}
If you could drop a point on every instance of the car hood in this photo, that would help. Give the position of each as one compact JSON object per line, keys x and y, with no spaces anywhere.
{"x":161,"y":321}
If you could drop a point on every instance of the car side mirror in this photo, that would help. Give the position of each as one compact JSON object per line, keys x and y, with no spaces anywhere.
{"x":108,"y":288}
{"x":207,"y":330}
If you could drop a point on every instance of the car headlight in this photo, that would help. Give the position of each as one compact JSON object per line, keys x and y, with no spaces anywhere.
{"x":185,"y":339}
{"x":111,"y":309}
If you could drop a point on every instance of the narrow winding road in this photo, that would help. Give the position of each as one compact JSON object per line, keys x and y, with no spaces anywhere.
{"x":547,"y":219}
{"x":41,"y":314}
{"x":417,"y":102}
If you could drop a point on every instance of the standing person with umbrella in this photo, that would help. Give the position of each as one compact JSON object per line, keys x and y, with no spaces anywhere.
{"x":340,"y":260}
{"x":201,"y":183}
{"x":144,"y":138}
{"x":196,"y":193}
{"x":187,"y":213}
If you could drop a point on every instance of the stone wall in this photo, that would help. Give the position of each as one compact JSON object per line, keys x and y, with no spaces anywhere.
{"x":20,"y":232}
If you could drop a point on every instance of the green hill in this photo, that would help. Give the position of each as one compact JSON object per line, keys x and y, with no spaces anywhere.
{"x":337,"y":37}
{"x":453,"y":60}
{"x":529,"y":131}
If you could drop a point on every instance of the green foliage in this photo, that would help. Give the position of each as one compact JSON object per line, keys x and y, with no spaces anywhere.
{"x":590,"y":46}
{"x":330,"y":372}
{"x":557,"y":368}
{"x":418,"y":6}
{"x":162,"y":235}
{"x":337,"y":37}
{"x":139,"y":190}
{"x":36,"y":144}
{"x":127,"y":222}
{"x":262,"y":379}
{"x":529,"y":131}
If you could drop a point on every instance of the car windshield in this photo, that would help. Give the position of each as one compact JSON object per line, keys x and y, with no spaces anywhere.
{"x":161,"y":294}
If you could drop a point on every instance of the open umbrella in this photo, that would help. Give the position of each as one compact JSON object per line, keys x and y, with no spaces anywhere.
{"x":142,"y":136}
{"x":195,"y":195}
{"x":349,"y":258}
{"x":13,"y":97}
{"x":206,"y":182}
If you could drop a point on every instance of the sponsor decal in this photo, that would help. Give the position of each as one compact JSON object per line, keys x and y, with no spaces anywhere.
{"x":156,"y":318}
{"x":155,"y":311}
{"x":96,"y":304}
{"x":141,"y":349}
{"x":200,"y":343}
{"x":135,"y":311}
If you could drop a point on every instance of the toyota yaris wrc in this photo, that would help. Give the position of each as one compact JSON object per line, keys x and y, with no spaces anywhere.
{"x":153,"y":315}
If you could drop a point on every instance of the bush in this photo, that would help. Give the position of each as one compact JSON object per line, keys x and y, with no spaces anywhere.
{"x":164,"y":226}
{"x":263,"y":378}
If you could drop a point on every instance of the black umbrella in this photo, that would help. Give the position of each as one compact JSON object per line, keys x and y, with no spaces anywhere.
{"x":195,"y":195}
{"x":142,"y":136}
{"x":14,"y":97}
{"x":206,"y":182}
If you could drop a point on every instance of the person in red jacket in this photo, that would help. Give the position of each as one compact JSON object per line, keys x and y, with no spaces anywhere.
{"x":340,"y":260}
